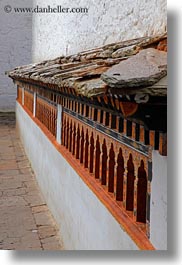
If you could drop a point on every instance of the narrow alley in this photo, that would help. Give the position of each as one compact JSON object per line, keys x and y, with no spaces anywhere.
{"x":25,"y":220}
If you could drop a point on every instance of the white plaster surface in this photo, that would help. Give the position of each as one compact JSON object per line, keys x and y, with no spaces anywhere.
{"x":15,"y":47}
{"x":106,"y":22}
{"x":158,"y":210}
{"x":85,"y":223}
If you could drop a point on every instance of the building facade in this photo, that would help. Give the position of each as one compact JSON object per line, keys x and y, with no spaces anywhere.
{"x":15,"y":47}
{"x":99,"y":151}
{"x":93,"y":121}
{"x":56,"y":34}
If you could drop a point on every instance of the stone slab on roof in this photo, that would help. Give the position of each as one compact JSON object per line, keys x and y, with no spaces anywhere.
{"x":143,"y":69}
{"x":82,"y":72}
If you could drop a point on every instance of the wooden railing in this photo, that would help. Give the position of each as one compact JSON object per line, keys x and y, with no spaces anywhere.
{"x":46,"y":113}
{"x":114,"y":151}
{"x":120,"y":170}
{"x":28,"y":100}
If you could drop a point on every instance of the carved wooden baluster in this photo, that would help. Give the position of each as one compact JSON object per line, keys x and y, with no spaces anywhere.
{"x":55,"y":122}
{"x":74,"y":136}
{"x":64,"y":131}
{"x":86,"y":150}
{"x":82,"y":146}
{"x":52,"y":116}
{"x":67,"y":133}
{"x":111,"y":169}
{"x":104,"y":163}
{"x":40,"y":111}
{"x":78,"y":143}
{"x":130,"y":185}
{"x":49,"y":119}
{"x":141,"y":194}
{"x":42,"y":114}
{"x":91,"y":153}
{"x":52,"y":120}
{"x":97,"y":159}
{"x":70,"y":137}
{"x":120,"y":173}
{"x":45,"y":115}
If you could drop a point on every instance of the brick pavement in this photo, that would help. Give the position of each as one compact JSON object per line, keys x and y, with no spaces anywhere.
{"x":25,"y":220}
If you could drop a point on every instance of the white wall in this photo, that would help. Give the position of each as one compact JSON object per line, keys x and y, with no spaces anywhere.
{"x":85,"y":223}
{"x":15,"y":47}
{"x":158,"y":210}
{"x":106,"y":22}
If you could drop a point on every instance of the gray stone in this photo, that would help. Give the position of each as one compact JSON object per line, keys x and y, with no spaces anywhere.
{"x":125,"y":51}
{"x":143,"y":69}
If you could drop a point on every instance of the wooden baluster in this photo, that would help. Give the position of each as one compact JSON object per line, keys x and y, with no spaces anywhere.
{"x":137,"y":132}
{"x":70,"y":136}
{"x":45,"y":109}
{"x":64,"y":132}
{"x":55,"y":122}
{"x":74,"y":136}
{"x":52,"y":120}
{"x":97,"y":159}
{"x":130,"y":185}
{"x":141,"y":194}
{"x":40,"y":111}
{"x":111,"y":169}
{"x":91,"y":153}
{"x":78,"y":143}
{"x":104,"y":163}
{"x":67,"y":134}
{"x":49,"y":110}
{"x":49,"y":119}
{"x":86,"y":150}
{"x":120,"y":173}
{"x":82,"y":146}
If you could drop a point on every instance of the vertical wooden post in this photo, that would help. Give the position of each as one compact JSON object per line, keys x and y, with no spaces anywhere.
{"x":34,"y":103}
{"x":59,"y":125}
{"x":142,"y":134}
{"x":125,"y":126}
{"x":23,"y":96}
{"x":163,"y":144}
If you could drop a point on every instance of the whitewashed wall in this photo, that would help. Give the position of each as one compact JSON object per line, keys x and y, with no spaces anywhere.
{"x":158,"y":210}
{"x":84,"y":222}
{"x":106,"y":22}
{"x":15,"y":47}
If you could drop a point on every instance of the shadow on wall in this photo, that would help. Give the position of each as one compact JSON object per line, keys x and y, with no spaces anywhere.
{"x":15,"y":46}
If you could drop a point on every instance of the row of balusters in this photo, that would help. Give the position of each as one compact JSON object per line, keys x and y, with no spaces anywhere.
{"x":100,"y":161}
{"x":96,"y":157}
{"x":28,"y":101}
{"x":47,"y":115}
